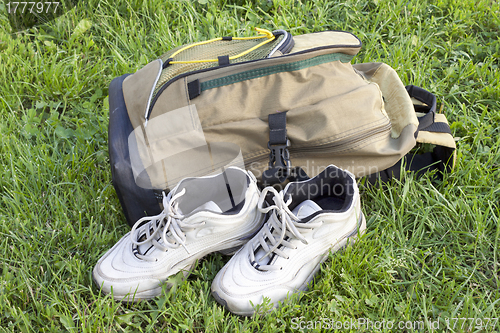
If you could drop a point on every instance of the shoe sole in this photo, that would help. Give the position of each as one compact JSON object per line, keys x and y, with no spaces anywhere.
{"x":349,"y":239}
{"x":145,"y":295}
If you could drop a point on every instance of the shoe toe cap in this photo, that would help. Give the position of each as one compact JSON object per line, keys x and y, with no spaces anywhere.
{"x":117,"y":273}
{"x":240,"y":291}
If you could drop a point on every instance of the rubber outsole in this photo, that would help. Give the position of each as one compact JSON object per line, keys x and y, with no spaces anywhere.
{"x":145,"y":295}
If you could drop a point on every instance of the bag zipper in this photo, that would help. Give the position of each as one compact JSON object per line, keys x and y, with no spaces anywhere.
{"x":290,"y":45}
{"x":332,"y":147}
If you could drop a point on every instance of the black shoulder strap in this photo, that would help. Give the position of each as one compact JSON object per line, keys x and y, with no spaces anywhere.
{"x":415,"y":161}
{"x":428,"y":122}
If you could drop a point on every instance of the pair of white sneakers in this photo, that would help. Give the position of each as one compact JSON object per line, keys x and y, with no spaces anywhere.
{"x":285,"y":236}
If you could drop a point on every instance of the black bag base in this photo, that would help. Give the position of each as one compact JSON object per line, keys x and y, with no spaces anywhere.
{"x":136,"y":202}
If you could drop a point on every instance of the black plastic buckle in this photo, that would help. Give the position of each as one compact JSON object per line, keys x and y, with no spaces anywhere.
{"x":279,"y":157}
{"x":279,"y":164}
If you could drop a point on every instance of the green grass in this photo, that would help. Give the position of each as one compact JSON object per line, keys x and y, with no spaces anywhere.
{"x":431,"y":252}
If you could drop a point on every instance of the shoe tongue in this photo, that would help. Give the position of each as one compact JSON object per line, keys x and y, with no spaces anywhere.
{"x":306,"y":208}
{"x":211,"y":206}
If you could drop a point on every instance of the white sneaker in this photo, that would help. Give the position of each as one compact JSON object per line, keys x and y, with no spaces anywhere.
{"x":307,"y":221}
{"x":200,"y":216}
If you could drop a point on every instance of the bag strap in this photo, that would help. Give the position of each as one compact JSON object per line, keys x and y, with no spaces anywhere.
{"x":428,"y":122}
{"x":433,"y":129}
{"x":279,"y":157}
{"x":428,"y":106}
{"x":280,"y":167}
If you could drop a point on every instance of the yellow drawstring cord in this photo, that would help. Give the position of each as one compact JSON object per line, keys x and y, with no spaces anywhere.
{"x":266,"y":34}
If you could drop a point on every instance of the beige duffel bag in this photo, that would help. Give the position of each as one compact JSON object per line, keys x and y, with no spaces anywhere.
{"x":280,"y":106}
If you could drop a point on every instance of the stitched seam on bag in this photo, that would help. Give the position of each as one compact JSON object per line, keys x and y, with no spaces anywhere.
{"x":322,"y":142}
{"x":252,"y":155}
{"x":377,"y":70}
{"x":256,"y":73}
{"x":193,"y":124}
{"x":343,"y":135}
{"x":366,"y":142}
{"x":361,"y":144}
{"x":186,"y":91}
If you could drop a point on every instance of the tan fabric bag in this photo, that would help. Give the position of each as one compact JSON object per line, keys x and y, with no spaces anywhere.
{"x":289,"y":104}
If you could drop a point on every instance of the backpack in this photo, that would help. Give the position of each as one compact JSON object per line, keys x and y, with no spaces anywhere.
{"x":282,"y":106}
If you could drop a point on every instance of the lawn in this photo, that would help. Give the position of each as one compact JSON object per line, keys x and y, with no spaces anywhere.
{"x":430,"y":257}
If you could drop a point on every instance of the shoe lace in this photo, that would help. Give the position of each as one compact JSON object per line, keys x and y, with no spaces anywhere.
{"x":286,"y":224}
{"x":169,"y":223}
